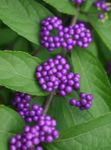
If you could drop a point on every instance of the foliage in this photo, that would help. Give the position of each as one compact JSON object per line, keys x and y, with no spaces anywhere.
{"x":20,"y":54}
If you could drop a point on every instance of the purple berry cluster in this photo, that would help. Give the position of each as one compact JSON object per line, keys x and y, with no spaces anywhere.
{"x":67,"y":37}
{"x":104,"y":7}
{"x":78,"y":2}
{"x":34,"y":136}
{"x":72,"y":82}
{"x":33,"y":114}
{"x":48,"y":25}
{"x":77,"y":35}
{"x":21,"y":103}
{"x":84,"y":103}
{"x":48,"y":129}
{"x":55,"y":75}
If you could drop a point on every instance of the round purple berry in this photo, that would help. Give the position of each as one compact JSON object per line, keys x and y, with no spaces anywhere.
{"x":84,"y":103}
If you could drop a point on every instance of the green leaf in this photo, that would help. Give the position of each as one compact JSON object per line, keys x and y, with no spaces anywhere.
{"x":21,"y":44}
{"x":87,"y":5}
{"x":66,"y":115}
{"x":92,"y":126}
{"x":44,"y":54}
{"x":24,"y":17}
{"x":93,"y":80}
{"x":10,"y":124}
{"x":7,"y":36}
{"x":104,"y":53}
{"x":38,"y":100}
{"x":94,"y":135}
{"x":93,"y":49}
{"x":82,"y":17}
{"x":64,"y":6}
{"x":17,"y":72}
{"x":103,"y":29}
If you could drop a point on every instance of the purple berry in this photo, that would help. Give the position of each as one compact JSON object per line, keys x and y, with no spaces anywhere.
{"x":39,"y":148}
{"x":78,"y":2}
{"x":33,"y":136}
{"x":84,"y":103}
{"x":103,"y":7}
{"x":67,"y":37}
{"x":22,"y":105}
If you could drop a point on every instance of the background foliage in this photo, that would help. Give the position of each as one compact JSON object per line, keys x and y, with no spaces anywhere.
{"x":21,"y":53}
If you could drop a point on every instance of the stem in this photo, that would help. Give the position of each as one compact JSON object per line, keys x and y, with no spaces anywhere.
{"x":48,"y":102}
{"x":74,"y":19}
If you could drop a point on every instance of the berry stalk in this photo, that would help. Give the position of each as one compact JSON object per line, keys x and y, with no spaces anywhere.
{"x":48,"y":102}
{"x":74,"y":19}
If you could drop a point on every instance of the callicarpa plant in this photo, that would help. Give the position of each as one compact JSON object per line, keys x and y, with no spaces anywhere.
{"x":55,"y":75}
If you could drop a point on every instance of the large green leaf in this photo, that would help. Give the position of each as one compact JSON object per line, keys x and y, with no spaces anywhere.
{"x":17,"y":72}
{"x":24,"y":17}
{"x":94,"y":135}
{"x":62,"y":112}
{"x":89,"y":128}
{"x":64,"y":6}
{"x":66,"y":115}
{"x":103,"y":29}
{"x":93,"y":80}
{"x":93,"y":49}
{"x":10,"y":124}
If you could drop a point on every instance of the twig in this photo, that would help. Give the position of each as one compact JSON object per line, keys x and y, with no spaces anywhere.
{"x":74,"y":19}
{"x":48,"y":102}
